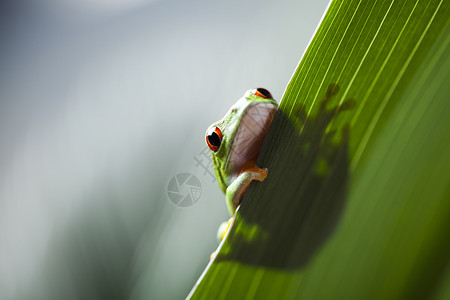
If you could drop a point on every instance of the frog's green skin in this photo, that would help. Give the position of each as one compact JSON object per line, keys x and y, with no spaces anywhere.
{"x":244,"y":129}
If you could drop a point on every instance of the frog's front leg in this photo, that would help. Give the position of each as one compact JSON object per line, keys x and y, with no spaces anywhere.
{"x":237,"y":188}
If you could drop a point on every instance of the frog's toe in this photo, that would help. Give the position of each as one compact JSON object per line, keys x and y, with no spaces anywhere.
{"x":223,"y":229}
{"x":261,"y":174}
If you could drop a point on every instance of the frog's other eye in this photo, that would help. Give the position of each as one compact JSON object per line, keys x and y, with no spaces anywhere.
{"x":263,"y":93}
{"x":214,"y":138}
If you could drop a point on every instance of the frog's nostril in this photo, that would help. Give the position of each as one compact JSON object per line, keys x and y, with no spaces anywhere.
{"x":262,"y":92}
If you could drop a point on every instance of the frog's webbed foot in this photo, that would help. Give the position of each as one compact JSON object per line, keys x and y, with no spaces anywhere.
{"x":257,"y":173}
{"x":236,"y":190}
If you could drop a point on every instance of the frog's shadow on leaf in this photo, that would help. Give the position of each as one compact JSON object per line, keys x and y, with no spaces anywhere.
{"x":285,"y":229}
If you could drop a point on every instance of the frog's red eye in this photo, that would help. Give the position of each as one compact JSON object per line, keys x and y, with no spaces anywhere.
{"x":214,"y":138}
{"x":263,"y":93}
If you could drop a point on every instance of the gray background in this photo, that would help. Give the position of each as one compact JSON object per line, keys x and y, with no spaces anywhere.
{"x":101,"y":104}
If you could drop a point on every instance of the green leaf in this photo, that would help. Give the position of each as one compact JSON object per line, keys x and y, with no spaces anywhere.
{"x":357,"y":201}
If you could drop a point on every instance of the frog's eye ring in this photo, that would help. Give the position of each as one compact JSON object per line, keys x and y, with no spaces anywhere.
{"x":263,"y":93}
{"x":214,"y":138}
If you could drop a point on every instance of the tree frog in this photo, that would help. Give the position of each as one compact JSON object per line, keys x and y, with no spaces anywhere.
{"x":235,"y":143}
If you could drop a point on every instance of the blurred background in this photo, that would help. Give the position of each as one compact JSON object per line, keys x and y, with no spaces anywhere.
{"x":102,"y":103}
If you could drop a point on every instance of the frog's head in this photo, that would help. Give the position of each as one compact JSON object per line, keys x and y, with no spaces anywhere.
{"x":236,"y":140}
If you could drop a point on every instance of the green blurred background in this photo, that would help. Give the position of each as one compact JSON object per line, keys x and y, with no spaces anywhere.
{"x":101,"y":104}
